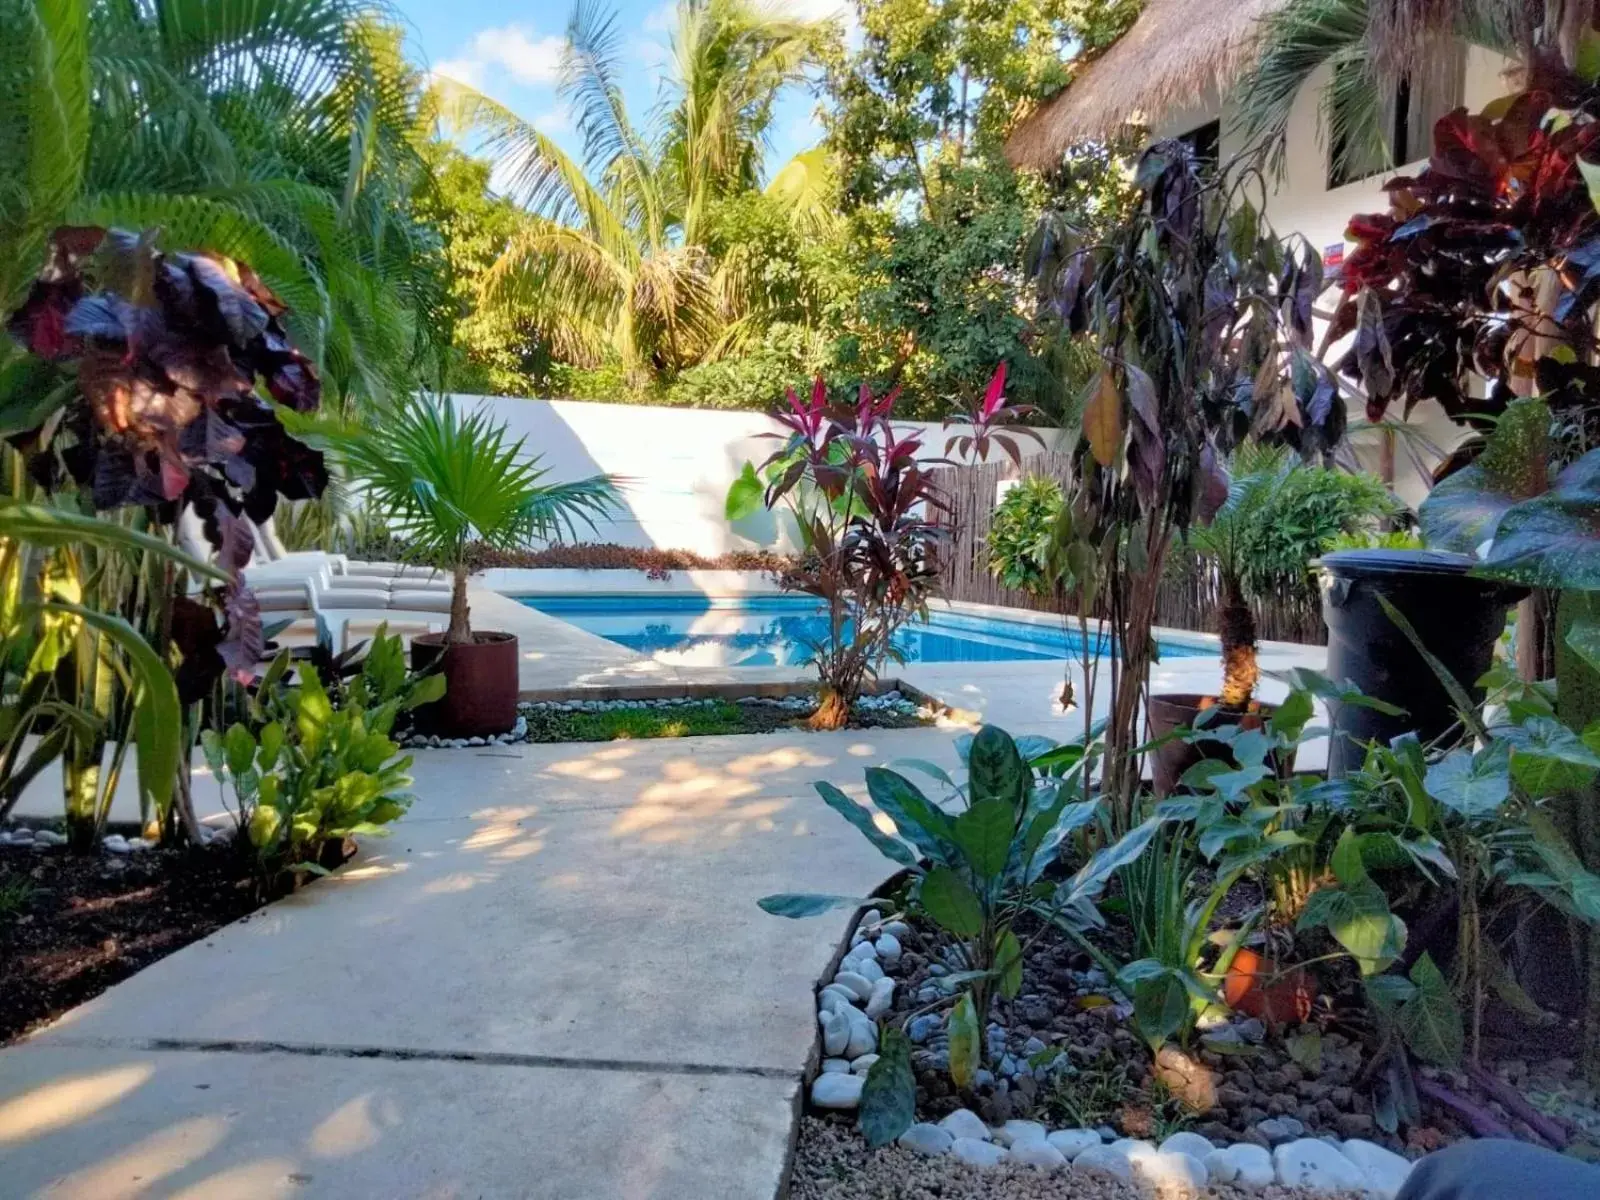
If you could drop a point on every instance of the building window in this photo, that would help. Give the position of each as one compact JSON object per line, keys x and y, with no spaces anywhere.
{"x":1408,"y":119}
{"x":1205,"y":143}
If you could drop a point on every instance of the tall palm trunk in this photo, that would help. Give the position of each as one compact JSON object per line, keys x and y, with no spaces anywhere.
{"x":1237,"y":625}
{"x":460,"y":631}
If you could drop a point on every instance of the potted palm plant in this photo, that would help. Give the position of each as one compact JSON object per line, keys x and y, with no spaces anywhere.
{"x":1279,"y":514}
{"x":446,"y":480}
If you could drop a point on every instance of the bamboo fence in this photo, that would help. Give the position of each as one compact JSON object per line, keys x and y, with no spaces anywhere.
{"x":1190,"y":596}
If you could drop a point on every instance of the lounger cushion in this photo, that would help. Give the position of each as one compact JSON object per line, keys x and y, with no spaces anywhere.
{"x":355,"y":598}
{"x":420,"y":601}
{"x":280,"y":598}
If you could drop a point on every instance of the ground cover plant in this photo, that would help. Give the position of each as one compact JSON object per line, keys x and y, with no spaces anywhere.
{"x":656,"y":562}
{"x":693,"y":719}
{"x":1306,"y":908}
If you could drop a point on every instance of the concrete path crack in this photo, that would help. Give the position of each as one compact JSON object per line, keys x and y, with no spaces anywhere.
{"x":488,"y":1058}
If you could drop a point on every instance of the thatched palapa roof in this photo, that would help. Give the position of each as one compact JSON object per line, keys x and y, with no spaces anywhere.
{"x":1175,"y":53}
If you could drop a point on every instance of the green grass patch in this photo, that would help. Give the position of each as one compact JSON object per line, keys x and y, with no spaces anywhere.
{"x":624,"y":724}
{"x":692,"y":720}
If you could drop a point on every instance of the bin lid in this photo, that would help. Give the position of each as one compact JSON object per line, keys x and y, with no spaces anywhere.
{"x":1365,"y":564}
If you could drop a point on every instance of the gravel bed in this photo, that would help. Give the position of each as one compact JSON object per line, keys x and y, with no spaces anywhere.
{"x":833,"y":1162}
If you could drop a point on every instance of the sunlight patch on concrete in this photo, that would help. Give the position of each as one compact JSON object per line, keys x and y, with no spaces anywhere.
{"x":530,"y":845}
{"x":134,"y":1171}
{"x":68,"y":1101}
{"x":375,"y":870}
{"x":491,"y":836}
{"x":460,"y":881}
{"x":264,"y":1180}
{"x":505,"y":812}
{"x":353,"y":1127}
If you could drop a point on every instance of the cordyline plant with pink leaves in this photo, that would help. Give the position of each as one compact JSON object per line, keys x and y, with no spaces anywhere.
{"x":867,"y":510}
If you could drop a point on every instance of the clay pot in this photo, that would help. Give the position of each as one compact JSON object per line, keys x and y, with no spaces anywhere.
{"x":1180,"y":710}
{"x":480,"y":694}
{"x":1256,"y":987}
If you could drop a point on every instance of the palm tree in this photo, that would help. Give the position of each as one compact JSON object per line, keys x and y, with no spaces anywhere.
{"x":1371,"y":45}
{"x":445,"y":479}
{"x":283,"y":133}
{"x":615,"y":259}
{"x":1259,"y":476}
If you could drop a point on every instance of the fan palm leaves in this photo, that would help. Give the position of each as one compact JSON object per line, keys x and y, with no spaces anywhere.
{"x":1367,"y":47}
{"x":283,"y":133}
{"x":444,"y":478}
{"x":614,"y":257}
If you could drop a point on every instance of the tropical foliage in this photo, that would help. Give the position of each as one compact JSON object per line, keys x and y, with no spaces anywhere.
{"x":1280,"y":514}
{"x":617,"y":260}
{"x":1202,"y":322}
{"x":282,"y":133}
{"x":1022,"y":534}
{"x":866,"y":510}
{"x":308,"y":772}
{"x":1365,"y":50}
{"x":446,"y":479}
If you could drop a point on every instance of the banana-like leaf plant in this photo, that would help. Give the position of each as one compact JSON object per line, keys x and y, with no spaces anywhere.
{"x":976,"y":863}
{"x":40,"y":610}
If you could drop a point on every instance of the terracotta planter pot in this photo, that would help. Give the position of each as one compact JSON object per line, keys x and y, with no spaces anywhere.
{"x":480,"y":695}
{"x":1181,"y":710}
{"x":1256,"y":987}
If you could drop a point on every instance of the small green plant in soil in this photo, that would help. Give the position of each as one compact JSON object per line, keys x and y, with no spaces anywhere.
{"x":1091,"y":1095}
{"x":307,"y":775}
{"x":15,"y":893}
{"x":974,"y":871}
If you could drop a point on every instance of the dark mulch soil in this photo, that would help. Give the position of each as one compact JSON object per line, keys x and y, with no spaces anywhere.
{"x":73,"y":925}
{"x":1068,"y":1057}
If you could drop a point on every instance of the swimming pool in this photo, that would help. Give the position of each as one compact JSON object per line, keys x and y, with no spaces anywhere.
{"x":775,"y":631}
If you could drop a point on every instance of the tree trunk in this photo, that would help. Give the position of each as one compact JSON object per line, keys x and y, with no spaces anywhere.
{"x":1125,"y":729}
{"x":833,"y":712}
{"x":1237,"y":625}
{"x":460,"y":630}
{"x":80,"y":777}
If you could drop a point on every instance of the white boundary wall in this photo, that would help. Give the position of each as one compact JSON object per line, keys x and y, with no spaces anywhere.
{"x":1303,"y":202}
{"x":677,"y":464}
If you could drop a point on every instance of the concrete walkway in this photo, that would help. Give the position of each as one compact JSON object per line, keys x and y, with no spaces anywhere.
{"x":552,"y":981}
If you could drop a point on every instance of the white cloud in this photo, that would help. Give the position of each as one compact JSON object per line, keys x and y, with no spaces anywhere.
{"x":526,"y":56}
{"x":555,"y":122}
{"x":663,"y":18}
{"x":463,"y":70}
{"x":530,"y":59}
{"x":821,"y":10}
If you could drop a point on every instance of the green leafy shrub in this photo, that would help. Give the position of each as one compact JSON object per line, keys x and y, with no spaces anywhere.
{"x":1022,"y":534}
{"x":974,"y":872}
{"x":305,"y":774}
{"x":1302,"y":517}
{"x":756,"y":378}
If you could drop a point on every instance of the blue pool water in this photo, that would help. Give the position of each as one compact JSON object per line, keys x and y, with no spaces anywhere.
{"x":770,"y":631}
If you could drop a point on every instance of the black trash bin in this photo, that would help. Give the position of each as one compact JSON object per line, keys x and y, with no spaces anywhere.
{"x":1457,"y":616}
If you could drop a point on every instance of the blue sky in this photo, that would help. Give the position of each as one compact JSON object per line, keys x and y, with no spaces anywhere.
{"x":512,"y":51}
